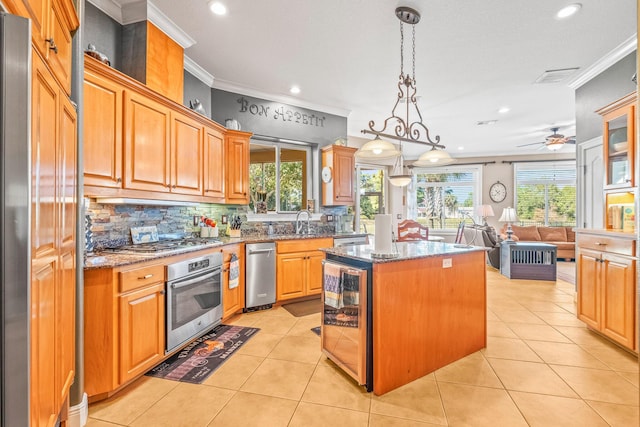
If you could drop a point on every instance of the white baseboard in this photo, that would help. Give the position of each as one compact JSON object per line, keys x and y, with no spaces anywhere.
{"x":78,"y":414}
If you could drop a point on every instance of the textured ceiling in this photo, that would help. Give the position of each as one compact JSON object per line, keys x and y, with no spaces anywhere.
{"x":473,"y":57}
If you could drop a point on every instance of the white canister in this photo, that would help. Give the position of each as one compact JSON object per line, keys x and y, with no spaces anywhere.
{"x":232,"y":124}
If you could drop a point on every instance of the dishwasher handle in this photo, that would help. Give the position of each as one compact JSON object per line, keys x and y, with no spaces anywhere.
{"x":260,"y":251}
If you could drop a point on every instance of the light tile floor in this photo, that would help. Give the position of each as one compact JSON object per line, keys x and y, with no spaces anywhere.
{"x":541,"y":367}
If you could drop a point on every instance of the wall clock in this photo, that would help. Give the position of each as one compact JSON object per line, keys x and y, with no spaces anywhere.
{"x":498,"y":192}
{"x":326,"y":174}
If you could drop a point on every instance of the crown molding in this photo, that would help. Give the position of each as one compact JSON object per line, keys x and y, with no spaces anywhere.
{"x":244,"y":90}
{"x":619,"y":52}
{"x":169,"y":27}
{"x":109,"y":7}
{"x":143,"y":10}
{"x":197,"y":71}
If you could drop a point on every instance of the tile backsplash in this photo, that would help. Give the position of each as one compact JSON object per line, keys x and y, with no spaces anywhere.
{"x":109,"y":224}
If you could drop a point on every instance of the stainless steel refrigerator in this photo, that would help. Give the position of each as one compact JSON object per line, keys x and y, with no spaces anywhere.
{"x":15,"y":190}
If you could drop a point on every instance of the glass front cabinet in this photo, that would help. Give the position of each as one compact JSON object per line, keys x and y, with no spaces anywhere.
{"x":618,"y":141}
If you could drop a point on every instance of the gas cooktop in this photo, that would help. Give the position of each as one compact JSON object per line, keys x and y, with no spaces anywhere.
{"x":163,"y":246}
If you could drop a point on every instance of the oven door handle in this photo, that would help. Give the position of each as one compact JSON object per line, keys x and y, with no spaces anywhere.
{"x":180,"y":284}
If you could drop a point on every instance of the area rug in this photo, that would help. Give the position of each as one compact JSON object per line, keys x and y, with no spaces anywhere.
{"x":304,"y":308}
{"x":198,"y":360}
{"x":316,"y":330}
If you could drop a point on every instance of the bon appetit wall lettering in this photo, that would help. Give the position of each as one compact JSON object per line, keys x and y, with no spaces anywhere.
{"x":281,"y":113}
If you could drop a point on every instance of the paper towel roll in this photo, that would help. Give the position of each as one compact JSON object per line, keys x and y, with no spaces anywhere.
{"x":383,"y":240}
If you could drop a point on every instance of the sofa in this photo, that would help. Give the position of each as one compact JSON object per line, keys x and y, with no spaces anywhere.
{"x":562,"y":237}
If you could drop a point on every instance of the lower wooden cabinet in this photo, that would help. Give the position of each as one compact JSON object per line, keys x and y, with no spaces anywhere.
{"x":124,"y":324}
{"x":299,"y":267}
{"x":232,"y":299}
{"x":607,"y":291}
{"x":141,"y":330}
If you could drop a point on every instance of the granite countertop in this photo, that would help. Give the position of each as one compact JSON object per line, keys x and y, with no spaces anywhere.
{"x":404,"y":250}
{"x":108,"y":259}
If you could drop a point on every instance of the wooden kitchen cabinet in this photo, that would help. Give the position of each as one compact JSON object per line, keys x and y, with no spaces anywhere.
{"x":52,"y":24}
{"x":53,"y":240}
{"x":299,"y":267}
{"x":103,"y":100}
{"x":232,"y":299}
{"x":187,"y":136}
{"x":124,"y":324}
{"x":214,"y":165}
{"x":147,"y":142}
{"x":237,"y":167}
{"x":606,"y":287}
{"x":141,"y":329}
{"x":338,"y":182}
{"x":619,"y":142}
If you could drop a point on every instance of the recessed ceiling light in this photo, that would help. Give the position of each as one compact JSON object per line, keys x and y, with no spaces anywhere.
{"x":460,"y":148}
{"x":503,"y":110}
{"x":568,"y":11}
{"x":217,"y":7}
{"x":294,"y":90}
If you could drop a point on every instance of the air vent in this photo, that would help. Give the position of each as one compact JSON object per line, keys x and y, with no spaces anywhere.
{"x":556,"y":76}
{"x":486,"y":122}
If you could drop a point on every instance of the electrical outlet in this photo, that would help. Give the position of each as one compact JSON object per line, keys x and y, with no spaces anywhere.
{"x":330,"y":218}
{"x":399,"y":216}
{"x":447,"y":263}
{"x":224,"y":219}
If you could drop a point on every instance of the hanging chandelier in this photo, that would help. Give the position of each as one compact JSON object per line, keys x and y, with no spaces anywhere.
{"x":401,"y":128}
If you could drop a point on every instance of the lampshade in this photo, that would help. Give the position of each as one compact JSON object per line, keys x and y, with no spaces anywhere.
{"x":485,"y":211}
{"x":508,"y":215}
{"x":434,"y":157}
{"x":399,"y":180}
{"x":377,"y":149}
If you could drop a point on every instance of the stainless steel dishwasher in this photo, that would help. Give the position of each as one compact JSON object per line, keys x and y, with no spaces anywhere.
{"x":260,"y":275}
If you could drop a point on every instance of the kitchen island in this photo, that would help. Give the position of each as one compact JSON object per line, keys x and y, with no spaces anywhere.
{"x":424,"y":309}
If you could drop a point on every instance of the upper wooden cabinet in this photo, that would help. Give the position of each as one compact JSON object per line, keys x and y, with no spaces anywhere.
{"x":103,"y":133}
{"x":618,"y":141}
{"x":237,"y":167}
{"x":338,"y":181}
{"x":52,"y":25}
{"x":140,"y":144}
{"x":214,"y":164}
{"x":146,"y":144}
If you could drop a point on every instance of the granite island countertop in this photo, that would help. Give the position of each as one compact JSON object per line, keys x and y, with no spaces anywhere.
{"x":110,"y":259}
{"x":402,"y":251}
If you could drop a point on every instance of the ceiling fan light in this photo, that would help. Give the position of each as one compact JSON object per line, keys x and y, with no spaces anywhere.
{"x":555,"y":146}
{"x":377,"y":149}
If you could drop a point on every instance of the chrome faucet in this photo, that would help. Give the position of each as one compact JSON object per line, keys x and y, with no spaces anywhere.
{"x":299,"y":224}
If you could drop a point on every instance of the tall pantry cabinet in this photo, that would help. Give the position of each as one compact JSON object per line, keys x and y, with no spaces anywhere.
{"x":53,"y":207}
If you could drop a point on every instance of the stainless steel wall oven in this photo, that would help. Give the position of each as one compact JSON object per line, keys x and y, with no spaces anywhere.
{"x":194,"y":298}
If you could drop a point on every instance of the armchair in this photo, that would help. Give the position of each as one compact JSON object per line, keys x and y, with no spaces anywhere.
{"x":480,"y":235}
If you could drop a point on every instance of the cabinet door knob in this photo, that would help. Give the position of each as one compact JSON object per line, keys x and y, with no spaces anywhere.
{"x":52,"y":45}
{"x":146,"y":276}
{"x":174,"y":186}
{"x":162,"y":292}
{"x":118,"y":180}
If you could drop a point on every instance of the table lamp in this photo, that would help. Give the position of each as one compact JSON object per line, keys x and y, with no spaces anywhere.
{"x":484,"y":211}
{"x":508,"y":216}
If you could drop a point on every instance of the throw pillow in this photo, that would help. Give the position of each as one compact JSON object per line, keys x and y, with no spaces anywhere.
{"x":553,"y":234}
{"x":526,"y":234}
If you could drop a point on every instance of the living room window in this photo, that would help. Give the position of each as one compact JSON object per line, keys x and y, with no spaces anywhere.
{"x":546,"y":193}
{"x":441,"y":198}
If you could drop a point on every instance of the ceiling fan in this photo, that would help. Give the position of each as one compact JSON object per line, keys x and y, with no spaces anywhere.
{"x":555,"y":141}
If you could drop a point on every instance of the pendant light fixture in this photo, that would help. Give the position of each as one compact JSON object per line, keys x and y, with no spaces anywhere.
{"x":401,"y":128}
{"x":399,"y":179}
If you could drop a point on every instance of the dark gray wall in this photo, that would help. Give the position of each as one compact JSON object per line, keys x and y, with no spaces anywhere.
{"x":134,"y":50}
{"x":610,"y":85}
{"x":195,"y":89}
{"x":276,"y":119}
{"x":104,"y":33}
